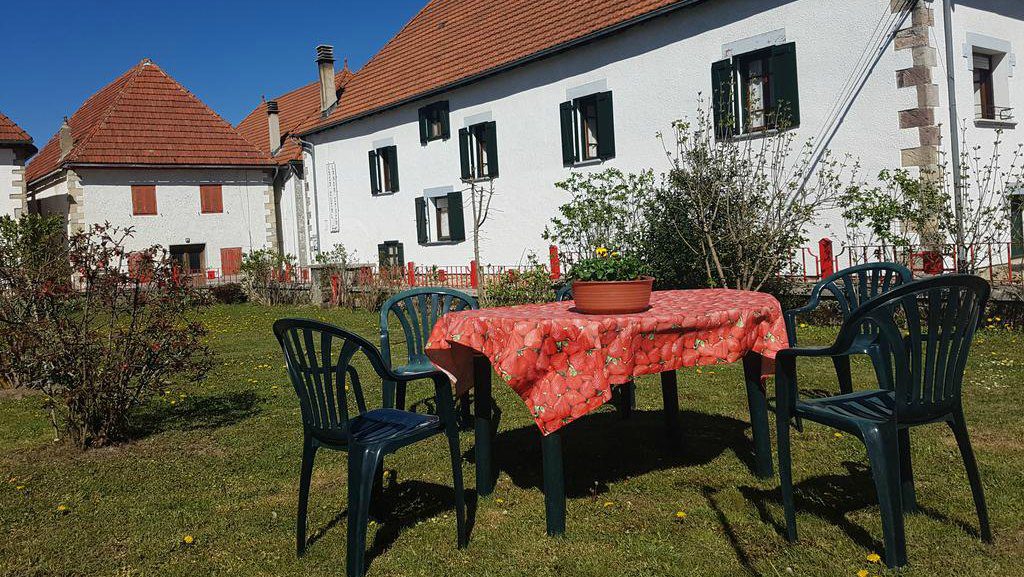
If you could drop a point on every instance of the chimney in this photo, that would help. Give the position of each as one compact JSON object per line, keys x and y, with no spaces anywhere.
{"x":274,"y":124}
{"x":325,"y":63}
{"x":66,"y":141}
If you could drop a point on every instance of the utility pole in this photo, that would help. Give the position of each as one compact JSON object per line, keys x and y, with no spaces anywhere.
{"x":954,"y":132}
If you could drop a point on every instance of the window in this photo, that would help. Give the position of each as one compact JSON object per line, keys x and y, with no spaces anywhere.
{"x":440,"y":219}
{"x":188,"y":258}
{"x":478,"y":151}
{"x":391,"y":254}
{"x":434,"y":122}
{"x":384,"y":170}
{"x":143,"y":199}
{"x":986,"y":69}
{"x":756,"y":91}
{"x":211,"y":199}
{"x":588,"y":129}
{"x":230,"y":261}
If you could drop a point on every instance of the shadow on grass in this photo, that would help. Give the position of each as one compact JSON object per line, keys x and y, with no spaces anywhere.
{"x":401,"y":506}
{"x":194,"y":413}
{"x":603,"y":448}
{"x":711,"y":495}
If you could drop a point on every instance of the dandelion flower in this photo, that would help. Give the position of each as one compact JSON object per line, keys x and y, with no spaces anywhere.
{"x":837,"y":435}
{"x":61,"y":508}
{"x":680,"y":514}
{"x":188,"y":539}
{"x":608,"y":503}
{"x":874,"y":557}
{"x":862,"y":573}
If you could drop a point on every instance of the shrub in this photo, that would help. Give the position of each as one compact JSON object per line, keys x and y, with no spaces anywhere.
{"x":518,"y":287}
{"x":35,"y":281}
{"x":123,"y":330}
{"x":229,"y":293}
{"x":262,"y":278}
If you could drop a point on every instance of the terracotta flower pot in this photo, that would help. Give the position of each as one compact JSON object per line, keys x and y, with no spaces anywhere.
{"x":612,"y":297}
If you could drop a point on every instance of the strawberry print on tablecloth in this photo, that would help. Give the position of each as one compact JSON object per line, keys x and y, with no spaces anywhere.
{"x":563,"y":363}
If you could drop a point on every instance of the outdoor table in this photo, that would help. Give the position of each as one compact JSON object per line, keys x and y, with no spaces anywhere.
{"x":563,"y":364}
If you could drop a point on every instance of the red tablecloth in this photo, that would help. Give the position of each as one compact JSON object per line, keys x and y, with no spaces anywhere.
{"x":563,"y":363}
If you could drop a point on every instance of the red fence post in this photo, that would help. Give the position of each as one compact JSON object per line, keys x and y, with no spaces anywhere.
{"x":556,"y":263}
{"x":473,"y":280}
{"x":825,"y":259}
{"x":412,"y":274}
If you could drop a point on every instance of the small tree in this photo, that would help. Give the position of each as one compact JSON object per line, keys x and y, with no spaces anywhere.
{"x":128,"y":332}
{"x":262,"y":270}
{"x":480,"y":196}
{"x":606,"y":209}
{"x":744,"y":204}
{"x":34,"y":285}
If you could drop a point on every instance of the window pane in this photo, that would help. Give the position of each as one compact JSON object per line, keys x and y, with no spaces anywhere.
{"x":588,"y":125}
{"x":443,"y":228}
{"x":756,"y":96}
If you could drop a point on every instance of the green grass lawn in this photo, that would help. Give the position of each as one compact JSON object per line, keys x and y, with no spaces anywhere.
{"x":221,"y":464}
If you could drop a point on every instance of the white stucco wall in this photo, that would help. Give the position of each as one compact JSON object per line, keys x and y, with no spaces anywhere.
{"x":107,"y":198}
{"x":10,"y":173}
{"x":656,"y":72}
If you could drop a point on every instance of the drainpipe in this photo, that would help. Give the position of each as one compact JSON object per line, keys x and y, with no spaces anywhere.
{"x":954,"y":132}
{"x":308,"y":146}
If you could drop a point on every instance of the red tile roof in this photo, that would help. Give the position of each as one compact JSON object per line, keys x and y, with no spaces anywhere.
{"x":457,"y":40}
{"x":11,"y":133}
{"x":144,"y":117}
{"x":295,"y":108}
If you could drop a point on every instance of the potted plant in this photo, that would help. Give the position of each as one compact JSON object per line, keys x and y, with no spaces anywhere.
{"x":610,"y":283}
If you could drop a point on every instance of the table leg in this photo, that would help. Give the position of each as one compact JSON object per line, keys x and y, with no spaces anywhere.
{"x":482,"y":423}
{"x":758,"y":403}
{"x":554,"y":483}
{"x":670,"y":396}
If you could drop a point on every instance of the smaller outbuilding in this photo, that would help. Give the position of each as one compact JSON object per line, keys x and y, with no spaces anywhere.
{"x":15,"y":148}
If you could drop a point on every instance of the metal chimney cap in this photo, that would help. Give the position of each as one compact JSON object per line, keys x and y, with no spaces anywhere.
{"x":325,"y":53}
{"x":272,"y":107}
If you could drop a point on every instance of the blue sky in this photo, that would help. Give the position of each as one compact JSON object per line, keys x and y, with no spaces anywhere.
{"x":228,"y":52}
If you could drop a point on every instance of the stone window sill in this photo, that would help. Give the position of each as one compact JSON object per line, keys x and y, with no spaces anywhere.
{"x":988,"y":123}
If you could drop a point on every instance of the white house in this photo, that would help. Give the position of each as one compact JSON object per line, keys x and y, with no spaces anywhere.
{"x":146,"y":153}
{"x":15,"y":148}
{"x":270,"y":126}
{"x":522,"y":94}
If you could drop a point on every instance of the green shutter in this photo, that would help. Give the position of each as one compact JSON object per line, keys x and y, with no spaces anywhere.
{"x":424,"y":115}
{"x":382,"y":255}
{"x":565,"y":111}
{"x":421,"y":221}
{"x":605,"y":126}
{"x":374,"y":177}
{"x":784,"y":85}
{"x":446,"y":129}
{"x":491,"y":140}
{"x":723,"y":100}
{"x":464,"y":146}
{"x":392,"y":152}
{"x":401,"y":254}
{"x":456,"y":219}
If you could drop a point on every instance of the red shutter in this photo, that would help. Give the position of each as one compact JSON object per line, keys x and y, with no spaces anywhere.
{"x":230,"y":261}
{"x":143,"y":199}
{"x":211,"y":198}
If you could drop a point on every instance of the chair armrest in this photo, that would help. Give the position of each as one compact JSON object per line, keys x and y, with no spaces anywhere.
{"x":790,"y":318}
{"x":786,"y":390}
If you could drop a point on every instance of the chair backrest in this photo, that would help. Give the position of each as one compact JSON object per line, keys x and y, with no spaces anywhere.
{"x":925,"y":331}
{"x":318,"y":357}
{"x":564,"y":293}
{"x":417,"y":310}
{"x":858,"y":284}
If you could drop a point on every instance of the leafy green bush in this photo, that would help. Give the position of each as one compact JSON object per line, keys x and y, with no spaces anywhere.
{"x":262,"y":278}
{"x":519,"y":288}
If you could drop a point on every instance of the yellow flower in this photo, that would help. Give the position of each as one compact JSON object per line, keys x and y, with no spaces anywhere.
{"x":874,"y":557}
{"x":862,"y":573}
{"x":188,"y":539}
{"x":601,"y":251}
{"x":680,"y":514}
{"x":61,"y":508}
{"x":837,"y":435}
{"x":608,"y":503}
{"x":616,"y":253}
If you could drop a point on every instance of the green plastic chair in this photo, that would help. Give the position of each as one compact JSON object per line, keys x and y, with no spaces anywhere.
{"x":318,"y":357}
{"x":925,"y":329}
{"x":851,"y":287}
{"x":417,"y":310}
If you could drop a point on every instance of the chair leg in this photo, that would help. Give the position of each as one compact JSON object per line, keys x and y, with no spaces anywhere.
{"x":554,"y":483}
{"x":909,"y":495}
{"x":305,"y":476}
{"x":842,"y":365}
{"x":362,"y":466}
{"x":460,"y":492}
{"x":883,"y":451}
{"x":963,"y":441}
{"x":400,"y":396}
{"x":388,"y":393}
{"x":757,"y":402}
{"x":786,"y":476}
